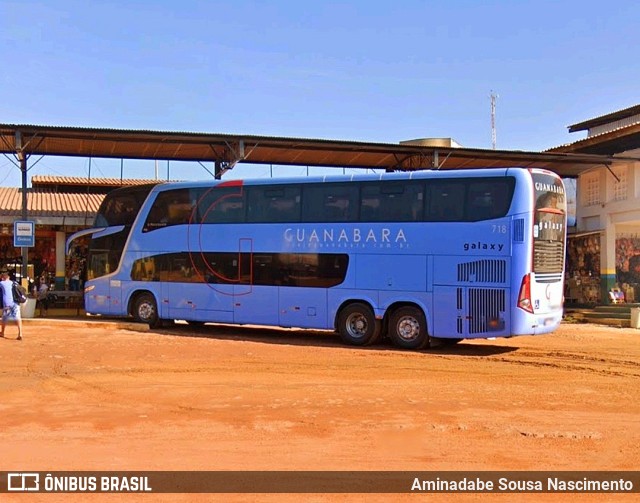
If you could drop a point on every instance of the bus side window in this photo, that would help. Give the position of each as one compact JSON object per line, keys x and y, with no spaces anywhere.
{"x":274,"y":204}
{"x":172,"y":207}
{"x":392,"y":201}
{"x":231,"y":211}
{"x":489,"y":198}
{"x":481,"y":202}
{"x":403,"y":202}
{"x":180,"y":208}
{"x":121,"y":210}
{"x":221,"y":205}
{"x":370,"y":204}
{"x":446,"y":201}
{"x":330,"y":202}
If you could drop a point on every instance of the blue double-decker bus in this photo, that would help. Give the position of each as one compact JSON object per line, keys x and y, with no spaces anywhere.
{"x":415,"y":257}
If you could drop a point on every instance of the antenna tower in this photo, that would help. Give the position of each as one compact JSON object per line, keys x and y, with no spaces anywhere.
{"x":493,"y":97}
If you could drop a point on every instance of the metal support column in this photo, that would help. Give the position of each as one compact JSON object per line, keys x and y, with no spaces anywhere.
{"x":23,"y":169}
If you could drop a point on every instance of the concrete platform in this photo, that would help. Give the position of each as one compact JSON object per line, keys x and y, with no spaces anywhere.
{"x":618,"y":315}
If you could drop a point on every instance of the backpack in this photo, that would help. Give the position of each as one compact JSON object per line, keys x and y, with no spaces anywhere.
{"x":19,"y":293}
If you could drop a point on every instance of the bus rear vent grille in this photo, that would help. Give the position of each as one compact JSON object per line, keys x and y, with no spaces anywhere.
{"x":486,"y":309}
{"x":548,"y":257}
{"x":518,"y":230}
{"x":483,"y":271}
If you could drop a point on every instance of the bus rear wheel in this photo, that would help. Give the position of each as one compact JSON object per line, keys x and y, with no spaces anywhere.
{"x":408,"y":328}
{"x":145,"y":310}
{"x":358,"y":326}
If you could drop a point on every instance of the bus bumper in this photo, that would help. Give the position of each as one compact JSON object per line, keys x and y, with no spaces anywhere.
{"x":547,"y":323}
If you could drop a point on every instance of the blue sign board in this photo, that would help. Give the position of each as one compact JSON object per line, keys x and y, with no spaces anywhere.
{"x":24,"y":233}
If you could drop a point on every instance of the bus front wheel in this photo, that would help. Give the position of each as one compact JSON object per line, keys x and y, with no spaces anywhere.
{"x":146,"y":310}
{"x":408,"y":328}
{"x":358,"y":326}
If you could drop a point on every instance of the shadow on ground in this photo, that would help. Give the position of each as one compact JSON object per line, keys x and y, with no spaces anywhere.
{"x":323,"y":338}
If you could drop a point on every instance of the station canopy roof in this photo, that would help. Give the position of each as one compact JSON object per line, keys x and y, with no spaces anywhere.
{"x":226,"y":150}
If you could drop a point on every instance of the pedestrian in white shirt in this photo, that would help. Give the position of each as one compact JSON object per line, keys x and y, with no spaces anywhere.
{"x":10,"y":309}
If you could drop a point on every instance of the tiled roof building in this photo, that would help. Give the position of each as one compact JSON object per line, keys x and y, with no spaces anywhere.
{"x":49,"y":208}
{"x":59,"y":206}
{"x":60,"y":200}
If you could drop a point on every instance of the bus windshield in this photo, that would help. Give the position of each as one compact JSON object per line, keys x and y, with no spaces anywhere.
{"x":119,"y":208}
{"x":550,"y":214}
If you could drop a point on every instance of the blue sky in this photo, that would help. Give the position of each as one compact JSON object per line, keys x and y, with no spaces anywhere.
{"x":354,"y":70}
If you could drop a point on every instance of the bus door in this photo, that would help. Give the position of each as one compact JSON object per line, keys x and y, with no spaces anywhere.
{"x":115,"y":298}
{"x":97,"y":300}
{"x":305,"y":280}
{"x":104,"y":297}
{"x":255,"y":299}
{"x":104,"y":293}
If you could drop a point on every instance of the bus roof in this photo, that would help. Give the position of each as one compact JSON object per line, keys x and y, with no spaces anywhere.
{"x":413,"y":175}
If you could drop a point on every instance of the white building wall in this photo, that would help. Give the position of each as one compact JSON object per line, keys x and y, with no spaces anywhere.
{"x":612,"y":207}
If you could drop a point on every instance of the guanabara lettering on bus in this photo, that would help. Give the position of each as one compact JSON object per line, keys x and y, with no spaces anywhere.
{"x":341,"y":236}
{"x":414,"y":257}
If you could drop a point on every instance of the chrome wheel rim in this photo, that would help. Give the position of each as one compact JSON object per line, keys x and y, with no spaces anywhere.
{"x":357,"y":325}
{"x":408,"y":328}
{"x":145,"y":311}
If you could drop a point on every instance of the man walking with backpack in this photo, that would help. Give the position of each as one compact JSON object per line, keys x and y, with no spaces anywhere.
{"x":10,"y":308}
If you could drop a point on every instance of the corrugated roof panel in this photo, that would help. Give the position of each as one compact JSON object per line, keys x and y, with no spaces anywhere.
{"x":136,"y":144}
{"x":602,"y":119}
{"x":617,"y":140}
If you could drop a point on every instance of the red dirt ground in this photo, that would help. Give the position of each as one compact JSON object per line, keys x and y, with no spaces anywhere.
{"x":93,"y":395}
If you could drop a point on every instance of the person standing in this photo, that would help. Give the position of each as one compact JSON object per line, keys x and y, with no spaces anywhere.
{"x":43,"y":296}
{"x":74,"y":279}
{"x":10,"y":309}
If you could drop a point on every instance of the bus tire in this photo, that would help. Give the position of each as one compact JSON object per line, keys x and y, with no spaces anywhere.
{"x":358,"y":326}
{"x":408,"y":328}
{"x":145,"y":310}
